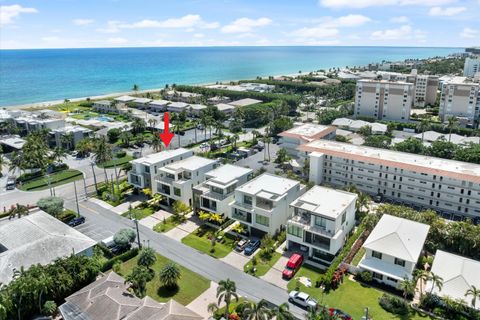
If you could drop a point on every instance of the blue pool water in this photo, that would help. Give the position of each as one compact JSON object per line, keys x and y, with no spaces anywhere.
{"x":28,"y":76}
{"x":104,"y":119}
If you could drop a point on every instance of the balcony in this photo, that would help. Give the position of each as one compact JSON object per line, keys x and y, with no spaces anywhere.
{"x":264,"y":204}
{"x":164,"y":179}
{"x":243,"y":205}
{"x":207,"y":193}
{"x":318,"y":241}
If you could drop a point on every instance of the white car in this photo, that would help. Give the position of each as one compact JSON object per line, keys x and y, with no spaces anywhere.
{"x":302,"y":299}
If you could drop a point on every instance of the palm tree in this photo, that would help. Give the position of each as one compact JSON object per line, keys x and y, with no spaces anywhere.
{"x":138,"y":278}
{"x":138,"y":125}
{"x":125,"y":137}
{"x":147,"y":257}
{"x":234,"y":139}
{"x":58,"y":154}
{"x":452,"y":124}
{"x":423,"y":276}
{"x":255,"y":134}
{"x":195,"y":124}
{"x":227,"y":290}
{"x":475,"y":293}
{"x":423,"y":126}
{"x":169,"y":275}
{"x":102,"y":153}
{"x":408,"y":288}
{"x":84,"y":146}
{"x":152,"y":122}
{"x":156,"y":143}
{"x":257,"y":311}
{"x":282,"y":312}
{"x":135,"y":88}
{"x":212,"y":308}
{"x":437,"y":281}
{"x":267,"y":141}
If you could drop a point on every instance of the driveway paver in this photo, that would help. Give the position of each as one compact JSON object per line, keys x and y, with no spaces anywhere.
{"x":184,"y":229}
{"x":274,"y":275}
{"x":200,"y":304}
{"x":236,"y":259}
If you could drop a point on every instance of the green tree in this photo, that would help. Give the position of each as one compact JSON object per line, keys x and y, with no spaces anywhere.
{"x":135,"y":88}
{"x":226,"y":291}
{"x":282,"y":312}
{"x":50,"y":308}
{"x":365,"y":131}
{"x":156,"y":143}
{"x":408,"y":288}
{"x":422,"y":276}
{"x":51,"y":205}
{"x":437,"y":282}
{"x":378,"y":141}
{"x":84,"y":146}
{"x":147,"y":257}
{"x":411,"y":145}
{"x":257,"y":311}
{"x":469,"y":153}
{"x":169,"y":275}
{"x":475,"y":293}
{"x":423,"y":126}
{"x":113,"y":135}
{"x":138,"y":279}
{"x":138,"y":125}
{"x":452,"y":123}
{"x":282,"y":156}
{"x":124,"y":237}
{"x":442,"y":149}
{"x":180,"y":208}
{"x":102,"y":153}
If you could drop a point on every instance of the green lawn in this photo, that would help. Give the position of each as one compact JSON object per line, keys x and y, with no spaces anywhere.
{"x":262,"y":265}
{"x":358,"y":256}
{"x":190,"y":286}
{"x":119,"y":162}
{"x":199,"y":240}
{"x":170,"y":223}
{"x":139,"y":213}
{"x":351,"y":297}
{"x":56,"y":179}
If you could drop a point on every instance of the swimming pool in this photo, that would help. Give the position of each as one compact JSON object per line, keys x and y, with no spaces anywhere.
{"x":104,"y":119}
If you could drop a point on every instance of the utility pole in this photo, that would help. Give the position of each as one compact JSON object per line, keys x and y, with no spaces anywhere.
{"x":50,"y":185}
{"x":76,"y":197}
{"x":138,"y":232}
{"x":115,"y":167}
{"x":85,"y":187}
{"x":94,"y":177}
{"x":366,"y":313}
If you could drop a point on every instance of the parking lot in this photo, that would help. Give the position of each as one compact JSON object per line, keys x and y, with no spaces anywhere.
{"x":96,"y":232}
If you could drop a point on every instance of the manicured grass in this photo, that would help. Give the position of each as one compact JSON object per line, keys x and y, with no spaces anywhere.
{"x":190,"y":286}
{"x":56,"y":179}
{"x":358,"y":256}
{"x":351,"y":297}
{"x":262,"y":266}
{"x":119,"y":162}
{"x":139,"y":213}
{"x":199,"y":240}
{"x":170,"y":223}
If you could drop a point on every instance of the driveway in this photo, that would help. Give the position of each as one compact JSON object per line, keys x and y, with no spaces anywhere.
{"x":184,"y":229}
{"x":236,"y":259}
{"x":200,"y":304}
{"x":255,"y":161}
{"x":274,"y":275}
{"x":155,"y":218}
{"x":94,"y":231}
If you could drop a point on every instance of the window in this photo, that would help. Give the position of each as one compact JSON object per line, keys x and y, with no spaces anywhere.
{"x":344,"y":217}
{"x":392,"y":280}
{"x":247,"y":200}
{"x":295,"y":231}
{"x":320,"y":222}
{"x":377,"y":276}
{"x":265,"y":221}
{"x":377,"y":255}
{"x":400,"y":262}
{"x":177,"y":192}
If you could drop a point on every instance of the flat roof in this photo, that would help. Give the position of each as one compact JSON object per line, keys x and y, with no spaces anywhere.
{"x":191,"y":164}
{"x":125,"y":98}
{"x":37,"y":238}
{"x":459,"y":274}
{"x":374,"y":81}
{"x":142,"y":100}
{"x":325,"y":201}
{"x":13,"y":142}
{"x":159,"y":102}
{"x":224,"y":106}
{"x":180,"y":105}
{"x":408,"y":161}
{"x":308,"y":131}
{"x":398,"y":237}
{"x":227,"y":173}
{"x":244,"y":102}
{"x":69,"y":129}
{"x":268,"y":186}
{"x":161,"y":156}
{"x":103,"y":102}
{"x":198,"y":106}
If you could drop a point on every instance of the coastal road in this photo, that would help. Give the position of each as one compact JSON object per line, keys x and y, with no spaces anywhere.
{"x":211,"y":268}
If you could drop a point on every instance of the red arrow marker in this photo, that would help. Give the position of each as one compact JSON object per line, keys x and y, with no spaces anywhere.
{"x":166,"y":136}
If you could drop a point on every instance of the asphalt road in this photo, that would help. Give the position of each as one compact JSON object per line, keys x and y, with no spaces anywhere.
{"x":215,"y":270}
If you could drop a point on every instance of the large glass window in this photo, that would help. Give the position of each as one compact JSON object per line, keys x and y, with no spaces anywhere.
{"x":320,"y":222}
{"x":177,"y":192}
{"x":247,"y":200}
{"x":265,"y":221}
{"x":400,"y":262}
{"x":377,"y":255}
{"x":295,"y":231}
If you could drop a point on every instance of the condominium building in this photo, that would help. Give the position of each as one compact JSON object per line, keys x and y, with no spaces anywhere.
{"x":262,"y":204}
{"x":392,"y":249}
{"x":68,"y":137}
{"x":29,"y":122}
{"x":447,"y":186}
{"x":322,"y":219}
{"x":215,"y":194}
{"x":461,"y":98}
{"x":425,"y":90}
{"x":145,"y":169}
{"x":384,"y":100}
{"x":176,"y":180}
{"x":471,"y":67}
{"x":304,"y":133}
{"x":107,"y":106}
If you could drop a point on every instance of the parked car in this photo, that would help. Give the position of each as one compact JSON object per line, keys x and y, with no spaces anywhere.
{"x":11,"y":181}
{"x":76,"y":221}
{"x":258,"y":147}
{"x":302,"y":299}
{"x":292,"y":266}
{"x":339,"y":314}
{"x":108,"y":242}
{"x":241,"y":245}
{"x":251,"y":247}
{"x":116,"y":250}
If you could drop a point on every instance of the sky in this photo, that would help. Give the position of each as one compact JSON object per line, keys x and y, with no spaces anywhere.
{"x":153,"y":23}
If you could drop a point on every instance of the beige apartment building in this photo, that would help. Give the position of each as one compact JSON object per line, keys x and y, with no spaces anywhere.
{"x":384,"y":100}
{"x":461,"y":98}
{"x":449,"y":187}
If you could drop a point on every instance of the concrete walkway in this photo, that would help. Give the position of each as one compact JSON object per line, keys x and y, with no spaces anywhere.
{"x":236,"y":259}
{"x":274,"y":275}
{"x":155,"y":218}
{"x":184,"y":229}
{"x":200,"y":304}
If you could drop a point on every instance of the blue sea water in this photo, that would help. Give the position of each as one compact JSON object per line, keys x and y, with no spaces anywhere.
{"x":28,"y":76}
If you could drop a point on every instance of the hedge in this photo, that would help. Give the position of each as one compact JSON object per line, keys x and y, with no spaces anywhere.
{"x":122,"y":258}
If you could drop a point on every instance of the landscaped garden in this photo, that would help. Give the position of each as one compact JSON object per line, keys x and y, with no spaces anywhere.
{"x":210,"y":241}
{"x":189,"y":286}
{"x":116,"y":162}
{"x":167,"y":224}
{"x":267,"y":256}
{"x":138,"y":213}
{"x":56,"y":179}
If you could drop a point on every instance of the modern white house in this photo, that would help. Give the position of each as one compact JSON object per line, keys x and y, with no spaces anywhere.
{"x":142,"y":103}
{"x":304,"y":133}
{"x":176,"y":180}
{"x":124,"y":99}
{"x":107,"y":106}
{"x":459,"y":274}
{"x":262,"y":204}
{"x":321,"y":221}
{"x":68,"y":137}
{"x":145,"y":169}
{"x":392,"y":249}
{"x":215,"y":194}
{"x":471,"y":66}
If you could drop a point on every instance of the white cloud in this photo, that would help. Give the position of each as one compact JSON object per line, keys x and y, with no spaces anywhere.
{"x":188,"y":21}
{"x":351,"y":20}
{"x":469,"y":33}
{"x":82,"y":22}
{"x":117,"y":40}
{"x":199,"y":35}
{"x":315,"y":33}
{"x":378,"y":3}
{"x":50,"y":38}
{"x":112,"y":27}
{"x":446,"y":12}
{"x":245,"y":25}
{"x":400,"y":19}
{"x":403,"y":32}
{"x":9,"y":13}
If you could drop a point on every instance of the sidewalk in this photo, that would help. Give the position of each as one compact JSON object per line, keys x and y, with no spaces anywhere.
{"x":200,"y":304}
{"x":155,"y":218}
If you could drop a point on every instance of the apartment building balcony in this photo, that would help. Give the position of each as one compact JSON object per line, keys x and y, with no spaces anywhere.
{"x":241,"y":215}
{"x":242,"y":205}
{"x":300,"y":221}
{"x":317,"y":241}
{"x":164,"y":179}
{"x":207,"y":193}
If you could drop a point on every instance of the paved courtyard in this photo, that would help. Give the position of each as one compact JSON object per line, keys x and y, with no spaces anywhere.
{"x":93,"y":230}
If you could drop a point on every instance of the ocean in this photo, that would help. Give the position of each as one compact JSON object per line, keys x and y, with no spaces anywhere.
{"x":31,"y":76}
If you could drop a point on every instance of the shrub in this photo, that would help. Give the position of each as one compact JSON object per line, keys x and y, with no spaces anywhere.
{"x":121,"y":258}
{"x":51,"y":205}
{"x":393,"y":304}
{"x":49,"y":308}
{"x":365,"y":276}
{"x":124,"y":237}
{"x":120,"y":154}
